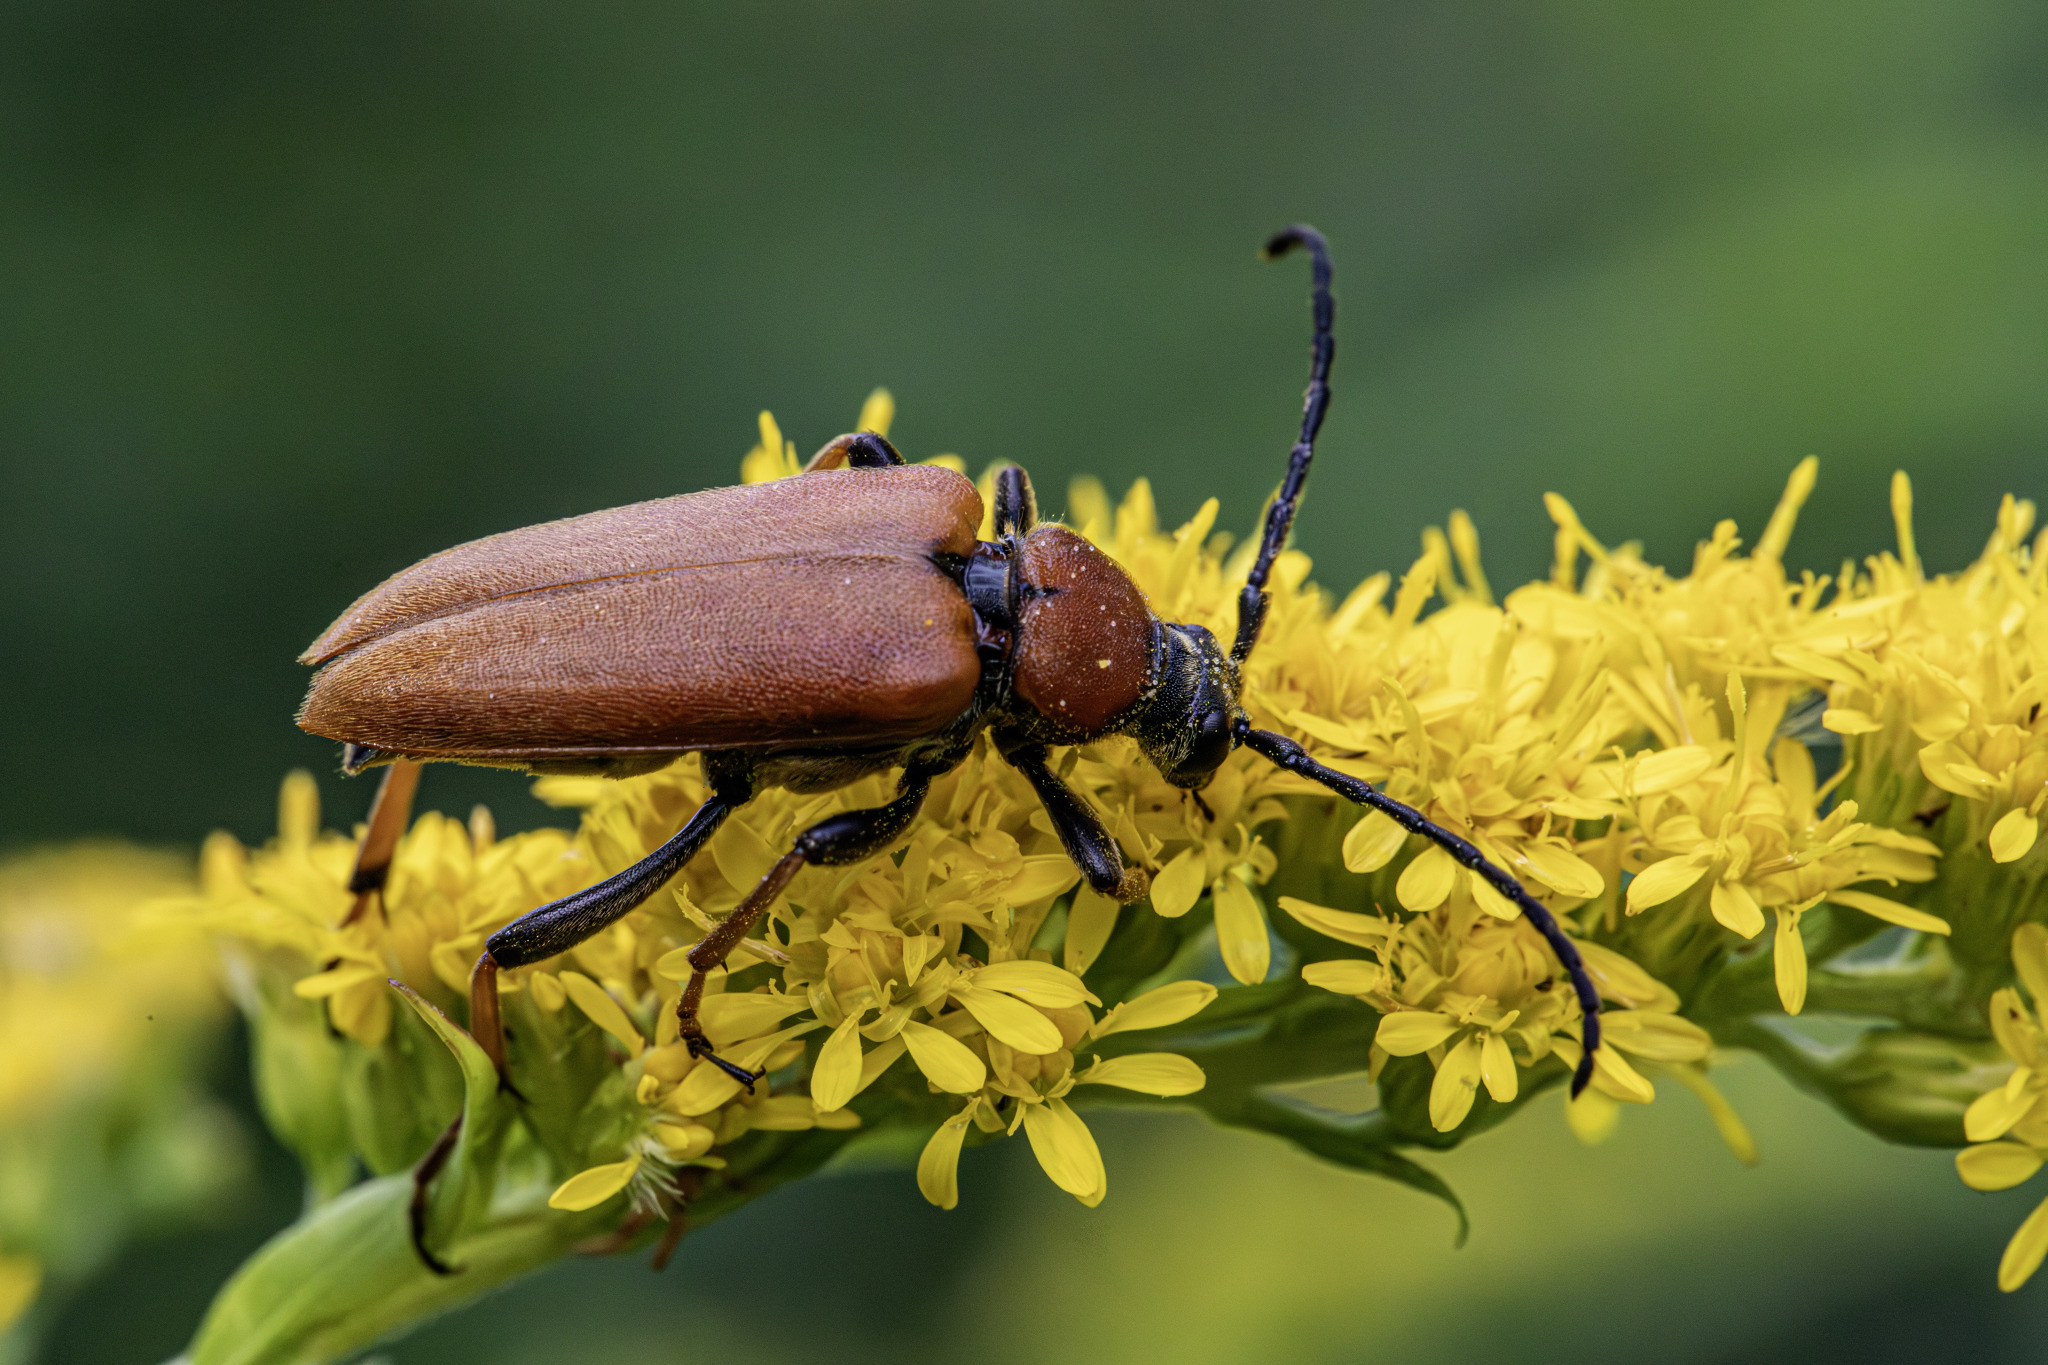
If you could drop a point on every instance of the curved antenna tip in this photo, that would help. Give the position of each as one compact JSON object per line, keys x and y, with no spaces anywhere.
{"x":1288,"y":238}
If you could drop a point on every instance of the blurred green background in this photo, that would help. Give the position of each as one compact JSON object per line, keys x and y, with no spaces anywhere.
{"x":294,"y":295}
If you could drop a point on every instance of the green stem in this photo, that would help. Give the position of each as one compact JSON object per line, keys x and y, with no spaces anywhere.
{"x":345,"y":1276}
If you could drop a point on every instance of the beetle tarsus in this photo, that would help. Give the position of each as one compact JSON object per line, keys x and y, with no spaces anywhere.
{"x":416,"y":1210}
{"x":700,"y":1046}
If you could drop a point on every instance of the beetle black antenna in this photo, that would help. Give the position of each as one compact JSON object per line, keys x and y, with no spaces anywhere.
{"x":1252,"y":602}
{"x":1289,"y":755}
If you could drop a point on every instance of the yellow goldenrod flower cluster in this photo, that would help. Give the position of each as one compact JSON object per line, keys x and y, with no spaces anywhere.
{"x":1674,"y":763}
{"x":2008,"y":1126}
{"x":105,"y":1018}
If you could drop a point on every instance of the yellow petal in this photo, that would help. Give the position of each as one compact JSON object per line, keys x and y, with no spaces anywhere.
{"x":603,"y":1011}
{"x":1455,"y":1087}
{"x":684,"y":1141}
{"x":1039,"y":983}
{"x":2014,"y":1028}
{"x":938,"y":1167}
{"x":2023,"y":1253}
{"x":1067,"y":1150}
{"x":1179,"y":884}
{"x":1010,"y":1020}
{"x":1997,"y":1165}
{"x":1656,"y":1037}
{"x":703,"y":1090}
{"x":1154,"y":1073}
{"x":792,"y":1114}
{"x":1490,"y":900}
{"x":547,"y":991}
{"x":1046,"y":875}
{"x":729,"y":1018}
{"x":363,"y":1012}
{"x":946,"y":1061}
{"x":1789,"y":962}
{"x":1426,"y":881}
{"x":1734,"y":1132}
{"x":1620,"y":978}
{"x":1669,"y":768}
{"x":2013,"y":835}
{"x":1497,"y":1067}
{"x":21,"y":1278}
{"x":1345,"y":975}
{"x":1407,"y":1032}
{"x":1593,"y":1116}
{"x":1992,"y":1113}
{"x":877,"y":412}
{"x":1736,"y":909}
{"x":877,"y":1060}
{"x":1563,"y":871}
{"x":1158,"y":1008}
{"x":2030,"y":957}
{"x":1373,"y":842}
{"x":836,"y":1077}
{"x":1659,"y":882}
{"x":1366,"y":931}
{"x":1241,"y":931}
{"x":298,"y":809}
{"x":1090,"y":921}
{"x":1890,"y":911}
{"x":1844,"y":720}
{"x":588,"y":1189}
{"x":1612,"y":1073}
{"x":1939,"y":763}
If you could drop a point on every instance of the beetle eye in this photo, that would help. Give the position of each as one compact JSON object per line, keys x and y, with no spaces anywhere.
{"x":1211,"y":746}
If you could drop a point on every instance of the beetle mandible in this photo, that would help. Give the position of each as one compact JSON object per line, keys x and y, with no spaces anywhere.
{"x":806,"y":633}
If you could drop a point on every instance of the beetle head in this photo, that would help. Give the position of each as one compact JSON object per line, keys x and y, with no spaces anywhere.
{"x":1187,"y":720}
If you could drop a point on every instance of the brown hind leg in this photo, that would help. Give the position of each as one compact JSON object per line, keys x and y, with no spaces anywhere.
{"x":390,"y":813}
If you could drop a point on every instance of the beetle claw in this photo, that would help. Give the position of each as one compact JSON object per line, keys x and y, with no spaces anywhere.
{"x":700,"y":1046}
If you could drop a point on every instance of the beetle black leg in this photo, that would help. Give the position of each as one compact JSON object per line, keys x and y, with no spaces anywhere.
{"x":390,"y":813}
{"x":1289,"y":755}
{"x":849,"y":837}
{"x":1016,"y":505}
{"x":860,"y":449}
{"x":1081,"y":830}
{"x":556,"y":928}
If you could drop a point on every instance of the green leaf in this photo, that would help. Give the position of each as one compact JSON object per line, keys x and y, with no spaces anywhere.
{"x":461,"y":1195}
{"x":400,"y":1094}
{"x":1364,"y":1142}
{"x":297,"y":1064}
{"x":1901,"y":1084}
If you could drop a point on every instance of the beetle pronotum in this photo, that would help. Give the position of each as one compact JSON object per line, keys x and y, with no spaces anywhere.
{"x":805,"y":633}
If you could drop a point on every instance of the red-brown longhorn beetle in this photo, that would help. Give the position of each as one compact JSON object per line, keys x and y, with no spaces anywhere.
{"x":805,"y":633}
